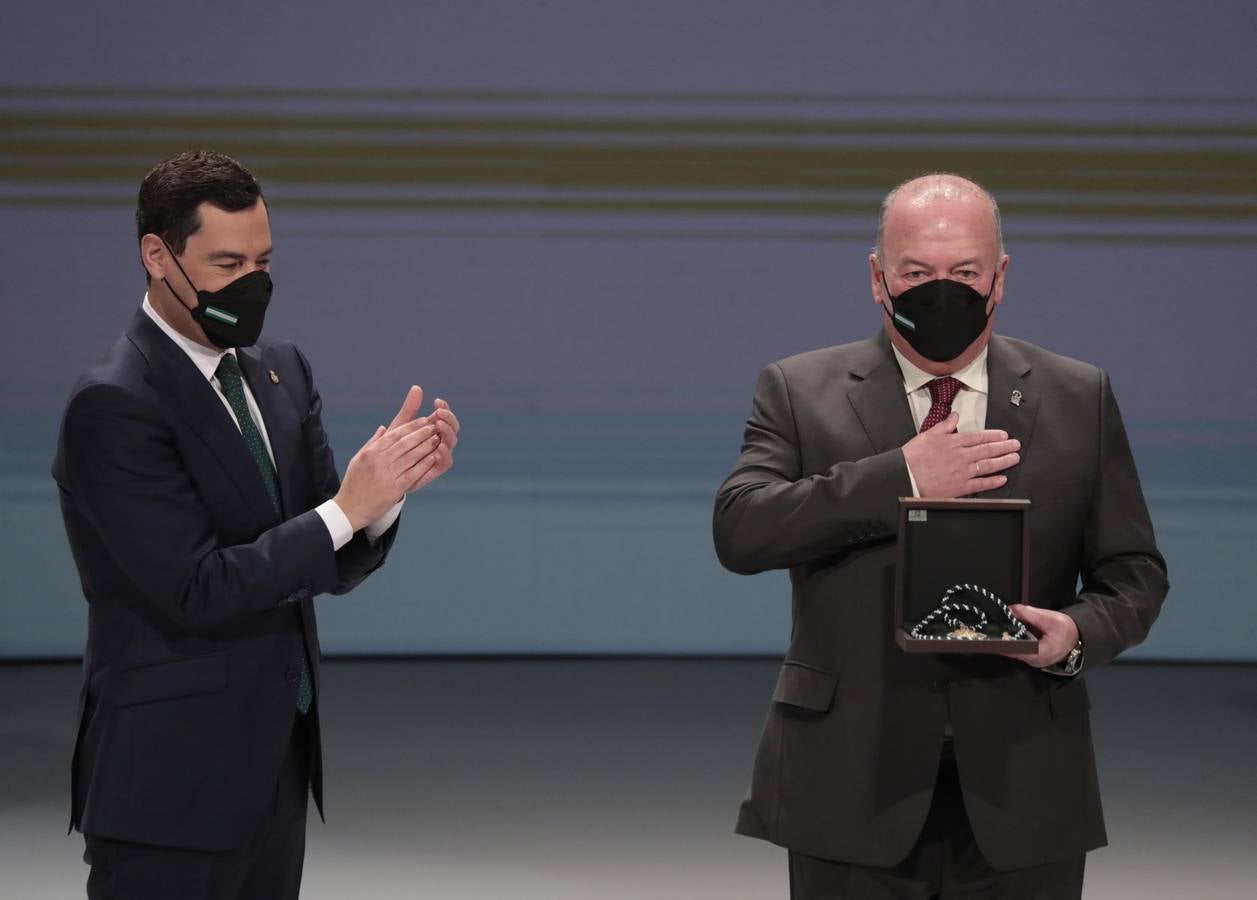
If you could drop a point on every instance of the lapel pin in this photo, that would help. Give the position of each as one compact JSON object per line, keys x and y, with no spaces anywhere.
{"x":1015,"y":399}
{"x":275,"y":380}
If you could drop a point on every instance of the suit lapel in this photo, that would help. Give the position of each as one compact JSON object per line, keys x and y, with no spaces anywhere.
{"x":1012,"y":403}
{"x":177,"y":378}
{"x":283,"y":428}
{"x":879,"y":399}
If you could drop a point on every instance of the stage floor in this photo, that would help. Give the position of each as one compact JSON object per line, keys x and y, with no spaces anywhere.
{"x":621,"y":778}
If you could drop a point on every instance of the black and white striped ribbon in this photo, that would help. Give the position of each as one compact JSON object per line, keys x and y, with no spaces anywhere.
{"x":949,"y":610}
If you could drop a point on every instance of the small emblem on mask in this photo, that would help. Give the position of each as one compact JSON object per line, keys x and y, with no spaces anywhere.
{"x":221,"y":315}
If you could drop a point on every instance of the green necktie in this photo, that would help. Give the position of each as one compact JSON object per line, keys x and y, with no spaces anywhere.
{"x":228,"y":374}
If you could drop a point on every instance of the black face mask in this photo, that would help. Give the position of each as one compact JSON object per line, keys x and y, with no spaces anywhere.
{"x":939,"y":318}
{"x":233,"y":315}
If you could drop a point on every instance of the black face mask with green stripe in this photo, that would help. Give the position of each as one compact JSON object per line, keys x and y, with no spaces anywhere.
{"x":939,"y":318}
{"x":233,"y":315}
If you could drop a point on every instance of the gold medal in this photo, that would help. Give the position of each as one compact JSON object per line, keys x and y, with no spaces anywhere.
{"x":965,"y":633}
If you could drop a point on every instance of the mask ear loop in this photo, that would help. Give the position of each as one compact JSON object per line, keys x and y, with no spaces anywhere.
{"x":987,"y":298}
{"x":889,"y":299}
{"x":181,"y":272}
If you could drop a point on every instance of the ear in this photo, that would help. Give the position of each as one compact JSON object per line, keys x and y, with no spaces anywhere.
{"x":875,"y":280}
{"x":154,"y":256}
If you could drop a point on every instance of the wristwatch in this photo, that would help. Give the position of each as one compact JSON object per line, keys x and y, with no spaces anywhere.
{"x":1073,"y":662}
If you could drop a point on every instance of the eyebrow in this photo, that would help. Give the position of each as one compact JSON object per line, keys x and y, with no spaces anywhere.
{"x":971,"y":261}
{"x":233,"y":255}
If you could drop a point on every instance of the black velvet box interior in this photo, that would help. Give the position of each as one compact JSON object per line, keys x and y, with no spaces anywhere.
{"x":949,"y":542}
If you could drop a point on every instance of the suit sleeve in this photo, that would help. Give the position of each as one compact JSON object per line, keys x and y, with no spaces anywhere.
{"x":769,"y":515}
{"x":127,"y":482}
{"x":361,"y":556}
{"x":1123,"y":574}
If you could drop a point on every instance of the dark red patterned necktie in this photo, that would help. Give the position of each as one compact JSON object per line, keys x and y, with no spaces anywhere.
{"x":942,"y":392}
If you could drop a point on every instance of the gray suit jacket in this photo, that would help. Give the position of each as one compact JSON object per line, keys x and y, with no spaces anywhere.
{"x":847,"y":762}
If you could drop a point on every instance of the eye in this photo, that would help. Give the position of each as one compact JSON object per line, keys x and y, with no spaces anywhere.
{"x":264,"y":265}
{"x":967,"y":274}
{"x":913,"y":275}
{"x":229,"y":266}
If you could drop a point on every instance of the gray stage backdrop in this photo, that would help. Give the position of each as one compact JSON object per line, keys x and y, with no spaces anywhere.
{"x":589,"y":225}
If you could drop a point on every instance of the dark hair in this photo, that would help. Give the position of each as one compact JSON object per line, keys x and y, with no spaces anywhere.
{"x":173,"y":190}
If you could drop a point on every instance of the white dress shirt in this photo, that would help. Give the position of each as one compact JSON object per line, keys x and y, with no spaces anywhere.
{"x":970,"y":402}
{"x":206,"y":361}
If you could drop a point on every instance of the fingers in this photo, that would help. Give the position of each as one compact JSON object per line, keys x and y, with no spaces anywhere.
{"x":987,"y":460}
{"x":444,"y":412}
{"x":413,"y":446}
{"x":992,"y":465}
{"x":447,"y":433}
{"x":993,"y":448}
{"x":1056,"y":631}
{"x":947,"y":426}
{"x":981,"y":485}
{"x":410,"y":406}
{"x":1041,"y":620}
{"x":426,"y":469}
{"x":976,"y":438}
{"x":1031,"y":615}
{"x":439,"y":468}
{"x":398,"y":433}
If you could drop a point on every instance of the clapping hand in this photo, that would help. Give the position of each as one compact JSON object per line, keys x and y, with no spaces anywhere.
{"x":408,"y":454}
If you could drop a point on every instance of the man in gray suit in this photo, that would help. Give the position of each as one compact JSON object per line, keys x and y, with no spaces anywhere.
{"x":888,"y":774}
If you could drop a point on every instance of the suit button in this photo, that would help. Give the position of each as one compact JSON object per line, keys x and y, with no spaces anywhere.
{"x":291,"y":676}
{"x":303,"y":594}
{"x":939,"y":684}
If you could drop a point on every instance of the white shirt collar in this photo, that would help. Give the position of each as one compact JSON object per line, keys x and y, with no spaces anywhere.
{"x":205,"y":359}
{"x":972,"y":376}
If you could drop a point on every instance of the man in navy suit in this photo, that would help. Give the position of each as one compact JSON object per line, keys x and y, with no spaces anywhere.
{"x":204,"y":511}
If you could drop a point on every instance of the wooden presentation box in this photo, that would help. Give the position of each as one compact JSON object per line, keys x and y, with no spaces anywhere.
{"x":948,"y":542}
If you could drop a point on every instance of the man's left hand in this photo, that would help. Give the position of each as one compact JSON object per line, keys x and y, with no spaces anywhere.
{"x":441,"y":418}
{"x":1058,"y":634}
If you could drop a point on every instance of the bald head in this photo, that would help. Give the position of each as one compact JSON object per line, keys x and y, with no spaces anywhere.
{"x":938,"y":227}
{"x":936,"y":190}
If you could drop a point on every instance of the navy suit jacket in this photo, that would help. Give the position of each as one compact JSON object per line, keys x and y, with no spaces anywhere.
{"x":200,"y":596}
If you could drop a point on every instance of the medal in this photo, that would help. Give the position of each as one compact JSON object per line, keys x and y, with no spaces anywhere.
{"x":967,"y":622}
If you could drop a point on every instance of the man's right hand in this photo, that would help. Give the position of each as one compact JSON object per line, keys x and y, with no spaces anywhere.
{"x":947,"y":463}
{"x":390,"y":464}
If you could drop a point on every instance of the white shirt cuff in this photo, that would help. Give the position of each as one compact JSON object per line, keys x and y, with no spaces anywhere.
{"x":384,"y":522}
{"x":911,"y":480}
{"x":337,"y":523}
{"x":342,"y":532}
